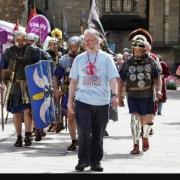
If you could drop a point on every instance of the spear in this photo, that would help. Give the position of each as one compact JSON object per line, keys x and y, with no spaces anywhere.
{"x":82,"y":21}
{"x":2,"y":113}
{"x":64,"y":25}
{"x":9,"y":87}
{"x":2,"y":109}
{"x":53,"y":16}
{"x":2,"y":100}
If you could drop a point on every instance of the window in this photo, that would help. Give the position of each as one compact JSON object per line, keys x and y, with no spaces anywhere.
{"x":107,"y":6}
{"x":120,"y":6}
{"x":127,"y":5}
{"x":135,"y":2}
{"x":116,"y":5}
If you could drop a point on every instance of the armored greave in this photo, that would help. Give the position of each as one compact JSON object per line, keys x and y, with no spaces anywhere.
{"x":135,"y":128}
{"x":147,"y":129}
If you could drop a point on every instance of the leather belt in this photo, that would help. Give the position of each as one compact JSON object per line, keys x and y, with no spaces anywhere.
{"x":139,"y":89}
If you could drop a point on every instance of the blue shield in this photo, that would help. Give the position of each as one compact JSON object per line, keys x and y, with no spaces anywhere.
{"x":39,"y":81}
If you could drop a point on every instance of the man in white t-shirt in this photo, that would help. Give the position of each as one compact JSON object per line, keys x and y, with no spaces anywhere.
{"x":93,"y":75}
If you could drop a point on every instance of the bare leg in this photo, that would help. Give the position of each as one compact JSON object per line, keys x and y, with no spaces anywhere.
{"x":17,"y":123}
{"x":28,"y":127}
{"x":71,"y":125}
{"x":72,"y":130}
{"x":28,"y":120}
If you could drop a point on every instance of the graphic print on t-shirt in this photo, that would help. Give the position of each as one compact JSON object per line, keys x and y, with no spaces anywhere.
{"x":91,"y":78}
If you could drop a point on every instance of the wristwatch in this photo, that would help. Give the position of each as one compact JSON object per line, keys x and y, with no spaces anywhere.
{"x":116,"y":95}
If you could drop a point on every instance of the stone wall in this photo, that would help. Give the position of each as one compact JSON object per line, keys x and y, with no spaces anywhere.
{"x":71,"y":9}
{"x":11,"y":10}
{"x":164,"y":21}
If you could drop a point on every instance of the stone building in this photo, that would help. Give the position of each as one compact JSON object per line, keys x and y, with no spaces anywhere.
{"x":118,"y":17}
{"x":11,"y":10}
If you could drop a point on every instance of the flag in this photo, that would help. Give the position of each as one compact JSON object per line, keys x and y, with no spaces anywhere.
{"x":32,"y":13}
{"x":3,"y":36}
{"x":95,"y":23}
{"x":40,"y":26}
{"x":16,"y":27}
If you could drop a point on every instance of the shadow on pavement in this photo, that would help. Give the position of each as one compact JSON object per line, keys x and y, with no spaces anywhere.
{"x":173,"y":94}
{"x":118,"y":137}
{"x":53,"y":145}
{"x":172,"y":124}
{"x":121,"y":156}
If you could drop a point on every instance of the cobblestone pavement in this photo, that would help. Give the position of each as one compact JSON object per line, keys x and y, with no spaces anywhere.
{"x":50,"y":155}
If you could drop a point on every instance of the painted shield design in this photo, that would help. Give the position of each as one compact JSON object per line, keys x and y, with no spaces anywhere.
{"x":39,"y":81}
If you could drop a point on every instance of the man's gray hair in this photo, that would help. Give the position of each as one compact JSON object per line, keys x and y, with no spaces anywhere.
{"x":93,"y":32}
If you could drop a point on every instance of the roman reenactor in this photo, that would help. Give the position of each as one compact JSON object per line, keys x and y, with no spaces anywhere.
{"x":140,"y":74}
{"x":15,"y":59}
{"x":61,"y":79}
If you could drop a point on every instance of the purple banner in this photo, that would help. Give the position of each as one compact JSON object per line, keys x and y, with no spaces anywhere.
{"x":40,"y":26}
{"x":3,"y":36}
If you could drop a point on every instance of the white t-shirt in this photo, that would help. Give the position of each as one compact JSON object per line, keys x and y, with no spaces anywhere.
{"x":93,"y":75}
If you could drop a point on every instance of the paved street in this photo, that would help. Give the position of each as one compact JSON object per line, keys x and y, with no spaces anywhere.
{"x":50,"y":156}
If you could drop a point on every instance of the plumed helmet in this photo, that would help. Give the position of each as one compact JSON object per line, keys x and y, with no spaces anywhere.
{"x":140,"y":33}
{"x":56,"y":33}
{"x":74,"y":40}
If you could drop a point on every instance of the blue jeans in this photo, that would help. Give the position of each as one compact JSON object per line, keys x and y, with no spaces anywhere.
{"x":91,"y":124}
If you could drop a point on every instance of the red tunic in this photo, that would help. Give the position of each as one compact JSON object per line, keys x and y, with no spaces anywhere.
{"x":165,"y":74}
